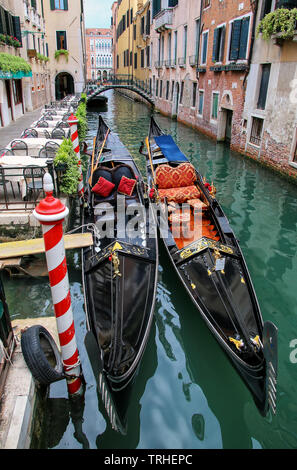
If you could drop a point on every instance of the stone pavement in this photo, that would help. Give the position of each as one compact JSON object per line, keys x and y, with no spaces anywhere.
{"x":17,"y":404}
{"x":15,"y":128}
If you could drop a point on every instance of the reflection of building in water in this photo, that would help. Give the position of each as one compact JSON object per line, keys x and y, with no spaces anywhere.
{"x":99,"y":53}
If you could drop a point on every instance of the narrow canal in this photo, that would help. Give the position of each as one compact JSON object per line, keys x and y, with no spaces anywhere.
{"x":187,"y":395}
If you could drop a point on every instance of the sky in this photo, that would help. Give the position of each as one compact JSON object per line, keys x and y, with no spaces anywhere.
{"x":98,"y":13}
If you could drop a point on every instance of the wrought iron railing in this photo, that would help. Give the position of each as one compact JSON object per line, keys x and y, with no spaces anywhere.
{"x":129,"y":80}
{"x":14,"y":193}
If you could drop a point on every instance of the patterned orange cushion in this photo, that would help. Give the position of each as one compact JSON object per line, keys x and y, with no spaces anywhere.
{"x":181,"y":176}
{"x":179,"y":195}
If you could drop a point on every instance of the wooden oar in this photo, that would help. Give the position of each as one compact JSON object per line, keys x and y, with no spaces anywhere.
{"x":93,"y":154}
{"x":101,"y":150}
{"x":151,"y":162}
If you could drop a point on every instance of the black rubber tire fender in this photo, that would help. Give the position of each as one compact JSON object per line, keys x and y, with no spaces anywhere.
{"x":38,"y":346}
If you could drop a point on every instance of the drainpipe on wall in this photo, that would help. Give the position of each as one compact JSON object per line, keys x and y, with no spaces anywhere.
{"x":129,"y":15}
{"x":200,"y":32}
{"x":254,"y":6}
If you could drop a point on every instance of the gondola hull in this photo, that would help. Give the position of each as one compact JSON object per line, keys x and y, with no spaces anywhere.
{"x":208,"y":260}
{"x":119,"y":276}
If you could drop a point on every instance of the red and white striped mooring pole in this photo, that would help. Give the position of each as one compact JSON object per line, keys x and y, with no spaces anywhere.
{"x":50,"y":212}
{"x":73,"y":122}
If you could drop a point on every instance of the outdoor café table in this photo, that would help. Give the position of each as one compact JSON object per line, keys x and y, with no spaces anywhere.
{"x":35,"y":144}
{"x":58,"y":112}
{"x":51,"y":123}
{"x":14,"y":166}
{"x":40,"y":131}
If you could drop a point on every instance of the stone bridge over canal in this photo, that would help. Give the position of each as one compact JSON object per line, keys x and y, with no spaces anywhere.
{"x":127,"y":85}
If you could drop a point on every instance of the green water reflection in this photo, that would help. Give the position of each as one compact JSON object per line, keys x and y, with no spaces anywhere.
{"x":187,"y":395}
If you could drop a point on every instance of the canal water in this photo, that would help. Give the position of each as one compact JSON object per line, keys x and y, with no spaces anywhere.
{"x":187,"y":395}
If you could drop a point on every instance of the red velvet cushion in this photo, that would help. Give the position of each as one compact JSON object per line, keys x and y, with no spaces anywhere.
{"x":126,"y":186}
{"x":103,"y":187}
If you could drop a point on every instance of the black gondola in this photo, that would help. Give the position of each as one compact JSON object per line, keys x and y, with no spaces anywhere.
{"x":119,"y":271}
{"x":208,"y":260}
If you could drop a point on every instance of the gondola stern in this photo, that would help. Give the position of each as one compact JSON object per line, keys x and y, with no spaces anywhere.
{"x":270,"y":351}
{"x":118,"y":423}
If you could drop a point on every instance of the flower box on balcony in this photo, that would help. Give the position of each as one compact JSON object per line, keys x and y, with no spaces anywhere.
{"x":217,"y":68}
{"x":278,"y":40}
{"x":235,"y":67}
{"x":31,"y":53}
{"x":62,"y":52}
{"x":201,"y":69}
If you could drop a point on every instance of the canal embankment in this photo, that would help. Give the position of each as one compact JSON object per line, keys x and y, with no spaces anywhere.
{"x":271,"y":159}
{"x":19,"y":399}
{"x":19,"y":236}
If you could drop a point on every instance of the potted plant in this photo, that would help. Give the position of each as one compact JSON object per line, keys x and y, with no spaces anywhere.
{"x":281,"y":23}
{"x":66,"y":165}
{"x":60,"y":52}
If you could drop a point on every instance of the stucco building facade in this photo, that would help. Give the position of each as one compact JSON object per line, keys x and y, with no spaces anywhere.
{"x":65,"y":36}
{"x":269,"y":131}
{"x":23,"y":21}
{"x":99,"y":54}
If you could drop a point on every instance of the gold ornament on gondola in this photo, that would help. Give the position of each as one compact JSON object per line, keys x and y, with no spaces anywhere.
{"x":213,"y":190}
{"x":116,"y":264}
{"x":238,"y":343}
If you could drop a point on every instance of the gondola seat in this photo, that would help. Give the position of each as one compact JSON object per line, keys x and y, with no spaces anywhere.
{"x":114,"y":176}
{"x":177,"y":184}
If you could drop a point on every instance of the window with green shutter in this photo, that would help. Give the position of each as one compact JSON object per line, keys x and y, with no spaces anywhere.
{"x":201,"y":102}
{"x":215,"y":105}
{"x":17,"y":28}
{"x":239,"y":39}
{"x":218,"y":44}
{"x":33,"y":4}
{"x":59,"y":4}
{"x":204,"y":48}
{"x":264,"y":86}
{"x":2,"y":21}
{"x":8,"y":22}
{"x":156,"y":7}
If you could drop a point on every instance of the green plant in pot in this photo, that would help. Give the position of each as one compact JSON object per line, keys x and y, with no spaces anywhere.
{"x":81,"y":114}
{"x":282,"y":22}
{"x":66,"y":165}
{"x":60,"y":52}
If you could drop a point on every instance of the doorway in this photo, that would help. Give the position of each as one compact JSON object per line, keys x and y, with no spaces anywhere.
{"x":228,"y":130}
{"x":176,"y":100}
{"x":64,"y":85}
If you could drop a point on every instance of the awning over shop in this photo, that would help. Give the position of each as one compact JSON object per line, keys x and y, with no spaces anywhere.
{"x":16,"y":75}
{"x":13,"y":67}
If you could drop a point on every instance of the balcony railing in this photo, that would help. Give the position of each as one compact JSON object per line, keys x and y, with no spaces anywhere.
{"x":193,"y":60}
{"x":13,"y":195}
{"x":163,"y":20}
{"x":182,"y":61}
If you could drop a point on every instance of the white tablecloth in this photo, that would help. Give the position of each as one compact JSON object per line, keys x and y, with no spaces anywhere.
{"x":35,"y":144}
{"x":52,"y":123}
{"x":58,"y":112}
{"x":40,"y":131}
{"x":13,"y":174}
